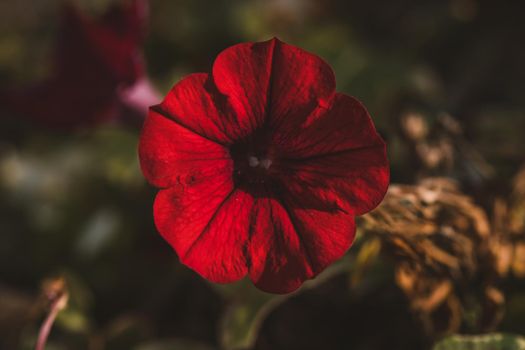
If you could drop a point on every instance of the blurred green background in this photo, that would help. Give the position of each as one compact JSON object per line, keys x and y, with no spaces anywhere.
{"x":74,"y":203}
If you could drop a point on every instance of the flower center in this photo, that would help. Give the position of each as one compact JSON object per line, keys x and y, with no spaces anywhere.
{"x":255,"y":163}
{"x":264,"y":163}
{"x":254,"y":166}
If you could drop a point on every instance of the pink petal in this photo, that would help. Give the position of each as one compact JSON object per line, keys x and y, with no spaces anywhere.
{"x":139,"y":96}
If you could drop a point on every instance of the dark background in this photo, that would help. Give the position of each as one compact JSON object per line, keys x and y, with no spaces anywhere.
{"x":73,"y":203}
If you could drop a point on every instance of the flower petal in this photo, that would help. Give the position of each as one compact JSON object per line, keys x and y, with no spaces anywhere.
{"x":172,"y":154}
{"x":352,"y":182}
{"x":302,"y":84}
{"x":346,"y":125}
{"x":116,"y":37}
{"x":93,"y":60}
{"x":242,"y":73}
{"x":321,"y":154}
{"x":195,"y":103}
{"x":207,"y":225}
{"x":272,"y":82}
{"x":337,"y":161}
{"x":290,"y":243}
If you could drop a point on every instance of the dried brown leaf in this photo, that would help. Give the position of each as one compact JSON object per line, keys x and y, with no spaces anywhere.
{"x":440,"y":241}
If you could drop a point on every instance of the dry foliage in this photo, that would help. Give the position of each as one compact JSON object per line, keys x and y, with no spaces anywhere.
{"x":440,"y":147}
{"x":440,"y":243}
{"x":509,"y":223}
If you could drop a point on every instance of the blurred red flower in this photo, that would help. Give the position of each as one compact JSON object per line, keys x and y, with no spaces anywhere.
{"x":98,"y":73}
{"x":262,"y":166}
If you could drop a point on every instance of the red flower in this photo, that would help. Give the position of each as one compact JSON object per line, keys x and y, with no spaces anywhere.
{"x":98,"y":66}
{"x":262,"y":166}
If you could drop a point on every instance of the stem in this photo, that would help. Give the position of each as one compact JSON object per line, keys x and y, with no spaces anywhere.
{"x":57,"y":305}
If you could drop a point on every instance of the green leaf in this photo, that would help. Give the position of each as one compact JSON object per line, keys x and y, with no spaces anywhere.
{"x":482,"y":342}
{"x":366,"y":257}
